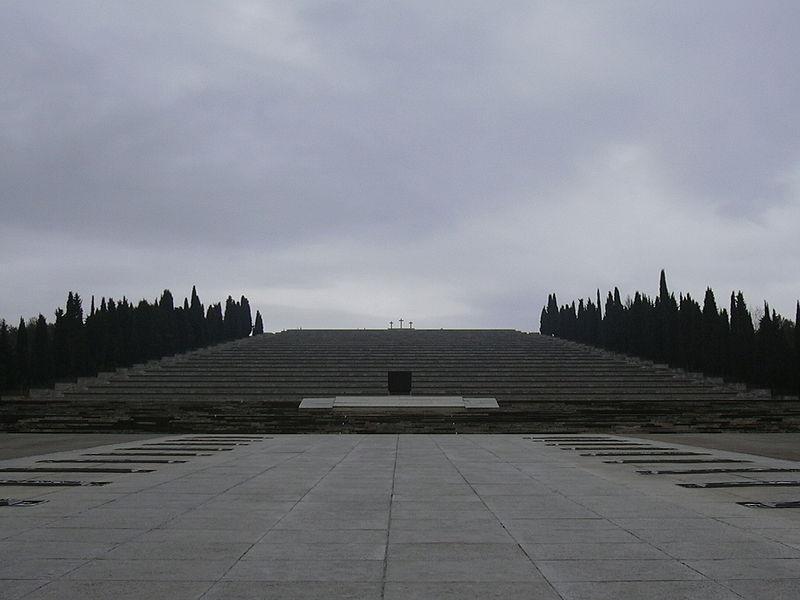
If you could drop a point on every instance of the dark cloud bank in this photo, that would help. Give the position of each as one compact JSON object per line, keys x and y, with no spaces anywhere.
{"x":345,"y":163}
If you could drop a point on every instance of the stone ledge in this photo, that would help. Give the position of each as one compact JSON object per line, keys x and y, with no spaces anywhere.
{"x":415,"y":403}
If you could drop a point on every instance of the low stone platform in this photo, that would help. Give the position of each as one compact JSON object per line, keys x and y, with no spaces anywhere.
{"x":398,"y":403}
{"x":531,"y":516}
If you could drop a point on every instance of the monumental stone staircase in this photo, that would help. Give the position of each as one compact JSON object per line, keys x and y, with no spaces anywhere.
{"x":540,"y":383}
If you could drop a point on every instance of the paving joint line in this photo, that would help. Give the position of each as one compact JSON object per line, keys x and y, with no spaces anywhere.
{"x":389,"y":522}
{"x":679,"y":560}
{"x":125,"y":495}
{"x":474,"y":491}
{"x":272,"y":528}
{"x":705,"y":577}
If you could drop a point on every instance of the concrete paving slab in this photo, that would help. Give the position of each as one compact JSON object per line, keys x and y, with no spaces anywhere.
{"x":120,"y":590}
{"x":411,"y":516}
{"x":108,"y":569}
{"x":453,"y":590}
{"x":649,"y":590}
{"x":760,"y":589}
{"x":11,"y":589}
{"x":307,"y":570}
{"x":306,"y":590}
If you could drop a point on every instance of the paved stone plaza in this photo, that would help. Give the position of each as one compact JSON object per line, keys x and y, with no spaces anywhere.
{"x":398,"y":517}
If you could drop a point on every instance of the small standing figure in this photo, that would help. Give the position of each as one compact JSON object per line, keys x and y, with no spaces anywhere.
{"x":391,"y":324}
{"x":411,"y":324}
{"x":401,"y":323}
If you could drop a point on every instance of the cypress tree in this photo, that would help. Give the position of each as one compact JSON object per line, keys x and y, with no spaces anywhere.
{"x":61,"y":356}
{"x":636,"y":320}
{"x":6,"y":366}
{"x":258,"y":328}
{"x":742,"y":340}
{"x":183,"y":329}
{"x":214,"y":323}
{"x":71,"y":348}
{"x":22,"y":355}
{"x":693,"y":320}
{"x":548,"y":324}
{"x":598,"y":323}
{"x":666,"y":309}
{"x":41,"y":358}
{"x":723,"y":338}
{"x":621,"y":326}
{"x":763,"y":350}
{"x":230,"y":318}
{"x":197,"y":320}
{"x":711,"y":339}
{"x":580,"y":331}
{"x":797,"y":348}
{"x":710,"y":327}
{"x":168,"y":329}
{"x":246,"y":318}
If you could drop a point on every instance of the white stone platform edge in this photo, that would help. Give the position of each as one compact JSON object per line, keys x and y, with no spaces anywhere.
{"x":397,"y":402}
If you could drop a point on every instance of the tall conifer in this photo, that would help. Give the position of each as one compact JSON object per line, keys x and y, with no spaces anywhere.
{"x":197,"y":320}
{"x":797,"y":347}
{"x":41,"y":358}
{"x":6,"y":366}
{"x":712,"y":358}
{"x":230,"y":318}
{"x":258,"y":327}
{"x":246,"y":318}
{"x":22,"y":354}
{"x":711,"y":339}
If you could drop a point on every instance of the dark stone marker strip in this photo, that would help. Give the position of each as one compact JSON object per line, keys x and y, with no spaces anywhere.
{"x":193,"y":443}
{"x":677,"y":460}
{"x":713,"y":471}
{"x":48,"y":483}
{"x":70,"y":470}
{"x":183,"y":448}
{"x":18,"y":503}
{"x":790,"y":504}
{"x":643,"y":447}
{"x":203,"y":442}
{"x":580,"y":444}
{"x":144,"y":454}
{"x":154,"y":461}
{"x":647,"y":454}
{"x":573,"y":439}
{"x":738,"y":484}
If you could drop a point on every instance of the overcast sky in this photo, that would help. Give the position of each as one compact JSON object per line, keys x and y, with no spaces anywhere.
{"x":347,"y":163}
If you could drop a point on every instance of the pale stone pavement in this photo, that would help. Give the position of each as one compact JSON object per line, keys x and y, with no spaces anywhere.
{"x":396,"y":516}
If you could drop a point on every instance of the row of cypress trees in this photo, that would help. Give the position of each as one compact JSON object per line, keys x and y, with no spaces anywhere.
{"x":718,"y":341}
{"x":114,"y":334}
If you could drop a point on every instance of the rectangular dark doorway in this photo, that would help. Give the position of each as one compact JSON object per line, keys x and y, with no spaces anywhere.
{"x":400,"y":383}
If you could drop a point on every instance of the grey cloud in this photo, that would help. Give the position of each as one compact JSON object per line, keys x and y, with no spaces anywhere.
{"x":471,"y":154}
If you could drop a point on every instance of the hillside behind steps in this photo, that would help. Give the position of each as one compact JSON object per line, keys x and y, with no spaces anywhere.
{"x":541,"y":384}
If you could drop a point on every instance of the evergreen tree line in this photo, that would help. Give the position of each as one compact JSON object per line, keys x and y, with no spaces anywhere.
{"x":114,"y":334}
{"x":718,"y":341}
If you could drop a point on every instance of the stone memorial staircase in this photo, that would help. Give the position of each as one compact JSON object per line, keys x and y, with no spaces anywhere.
{"x":540,"y":383}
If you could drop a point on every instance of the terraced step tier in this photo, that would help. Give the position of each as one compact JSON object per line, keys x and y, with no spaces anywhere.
{"x":539,"y":383}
